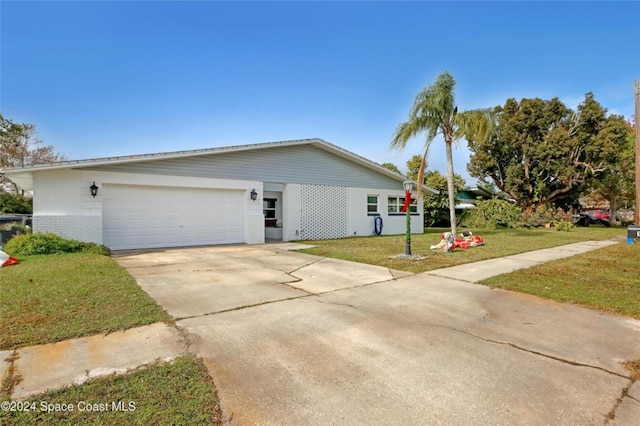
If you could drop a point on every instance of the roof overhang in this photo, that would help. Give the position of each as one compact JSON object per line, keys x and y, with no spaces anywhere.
{"x":23,"y":176}
{"x":23,"y":179}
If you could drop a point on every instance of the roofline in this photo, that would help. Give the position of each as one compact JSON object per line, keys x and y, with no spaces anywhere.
{"x":93,"y":162}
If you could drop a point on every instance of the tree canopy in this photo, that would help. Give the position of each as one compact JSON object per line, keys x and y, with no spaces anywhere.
{"x":19,"y":146}
{"x":392,"y":167}
{"x":543,"y":152}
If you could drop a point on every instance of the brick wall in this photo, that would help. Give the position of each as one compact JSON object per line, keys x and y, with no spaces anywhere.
{"x":83,"y":228}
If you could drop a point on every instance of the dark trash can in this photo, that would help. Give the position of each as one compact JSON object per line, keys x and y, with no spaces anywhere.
{"x":633,"y":233}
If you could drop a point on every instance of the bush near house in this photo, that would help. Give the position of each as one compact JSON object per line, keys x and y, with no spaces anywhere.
{"x":15,"y":204}
{"x":43,"y":244}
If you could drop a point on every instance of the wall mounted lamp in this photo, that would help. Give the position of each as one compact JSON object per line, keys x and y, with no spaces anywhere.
{"x":94,"y":190}
{"x":254,"y":194}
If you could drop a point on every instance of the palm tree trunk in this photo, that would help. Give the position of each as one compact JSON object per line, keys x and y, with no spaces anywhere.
{"x":450,"y":187}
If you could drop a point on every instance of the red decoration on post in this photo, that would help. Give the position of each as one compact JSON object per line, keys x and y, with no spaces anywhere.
{"x":407,"y":201}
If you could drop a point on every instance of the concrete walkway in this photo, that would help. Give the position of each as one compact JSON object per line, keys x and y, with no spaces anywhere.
{"x":304,"y":340}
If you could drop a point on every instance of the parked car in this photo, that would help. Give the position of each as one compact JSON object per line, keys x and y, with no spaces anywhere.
{"x":598,"y":216}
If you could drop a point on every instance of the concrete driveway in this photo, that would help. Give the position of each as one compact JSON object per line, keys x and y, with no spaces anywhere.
{"x":302,"y":340}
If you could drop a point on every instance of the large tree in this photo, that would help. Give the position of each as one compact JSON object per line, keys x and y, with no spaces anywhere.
{"x":543,"y":152}
{"x":616,"y":184}
{"x":19,"y":146}
{"x":434,"y":112}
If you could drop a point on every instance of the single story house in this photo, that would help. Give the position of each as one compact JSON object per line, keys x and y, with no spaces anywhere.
{"x":292,"y":190}
{"x":466,"y":199}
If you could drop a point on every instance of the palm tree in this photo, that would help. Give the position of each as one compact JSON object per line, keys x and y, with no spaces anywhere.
{"x":434,"y":112}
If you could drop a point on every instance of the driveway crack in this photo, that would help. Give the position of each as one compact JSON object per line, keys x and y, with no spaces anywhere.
{"x":623,"y":394}
{"x":336,"y":303}
{"x":531,"y":351}
{"x":303,"y":266}
{"x":239,"y":308}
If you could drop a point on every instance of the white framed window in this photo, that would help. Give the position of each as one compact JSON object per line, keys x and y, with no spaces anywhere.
{"x":395,"y":204}
{"x":269,"y":210}
{"x":372,"y":204}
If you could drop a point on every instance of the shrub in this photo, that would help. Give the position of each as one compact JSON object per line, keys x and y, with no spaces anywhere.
{"x":547,"y":214}
{"x":38,"y":244}
{"x":539,"y":217}
{"x":494,"y":213}
{"x":563,"y":225}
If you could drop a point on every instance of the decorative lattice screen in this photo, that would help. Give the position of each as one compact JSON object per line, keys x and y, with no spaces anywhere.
{"x":324,"y":212}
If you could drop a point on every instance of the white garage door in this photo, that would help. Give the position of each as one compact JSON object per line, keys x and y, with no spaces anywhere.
{"x":155,"y":216}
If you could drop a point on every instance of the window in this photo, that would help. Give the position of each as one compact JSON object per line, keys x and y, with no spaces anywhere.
{"x":372,"y":204}
{"x":395,"y":204}
{"x":269,"y":210}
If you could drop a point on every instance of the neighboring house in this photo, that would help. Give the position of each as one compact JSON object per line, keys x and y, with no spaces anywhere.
{"x":292,"y":190}
{"x":466,"y":199}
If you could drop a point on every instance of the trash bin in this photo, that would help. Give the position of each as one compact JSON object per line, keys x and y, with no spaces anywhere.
{"x":633,"y":233}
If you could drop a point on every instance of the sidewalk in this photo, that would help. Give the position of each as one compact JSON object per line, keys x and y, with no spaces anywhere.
{"x":478,"y":271}
{"x":74,"y":361}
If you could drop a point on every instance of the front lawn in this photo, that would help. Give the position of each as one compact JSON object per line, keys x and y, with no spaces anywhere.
{"x":607,"y":279}
{"x":50,"y":298}
{"x":498,"y":243}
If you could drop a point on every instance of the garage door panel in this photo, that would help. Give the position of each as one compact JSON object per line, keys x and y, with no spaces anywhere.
{"x":148,"y":216}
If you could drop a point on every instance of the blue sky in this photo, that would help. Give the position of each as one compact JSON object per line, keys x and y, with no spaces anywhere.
{"x":117,"y":78}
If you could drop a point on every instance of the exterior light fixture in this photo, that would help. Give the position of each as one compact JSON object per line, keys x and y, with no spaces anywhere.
{"x":408,"y":186}
{"x":94,"y":190}
{"x":254,"y":194}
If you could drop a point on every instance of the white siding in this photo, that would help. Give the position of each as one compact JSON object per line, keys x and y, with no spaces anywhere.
{"x":361,"y":224}
{"x":64,"y":205}
{"x":304,"y":164}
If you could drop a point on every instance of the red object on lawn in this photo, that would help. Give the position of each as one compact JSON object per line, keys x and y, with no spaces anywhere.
{"x":6,"y":260}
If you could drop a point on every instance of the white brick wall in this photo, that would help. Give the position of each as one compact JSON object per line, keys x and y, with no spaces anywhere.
{"x":83,"y":228}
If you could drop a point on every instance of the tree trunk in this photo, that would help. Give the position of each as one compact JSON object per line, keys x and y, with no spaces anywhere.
{"x":450,"y":187}
{"x":613,"y":208}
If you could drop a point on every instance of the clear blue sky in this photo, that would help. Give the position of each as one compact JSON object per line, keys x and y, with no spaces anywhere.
{"x":117,"y":78}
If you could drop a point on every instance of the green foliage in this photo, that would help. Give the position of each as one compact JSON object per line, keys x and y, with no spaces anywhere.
{"x":436,"y":206}
{"x":543,"y":152}
{"x":391,"y":167}
{"x":563,"y":225}
{"x":547,"y":215}
{"x":538,"y":216}
{"x":16,"y":204}
{"x":494,"y":213}
{"x":43,"y":244}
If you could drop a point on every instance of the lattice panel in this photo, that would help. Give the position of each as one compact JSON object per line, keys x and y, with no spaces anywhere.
{"x":324,"y":212}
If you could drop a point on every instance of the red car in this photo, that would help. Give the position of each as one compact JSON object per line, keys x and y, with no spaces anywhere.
{"x":599,"y":216}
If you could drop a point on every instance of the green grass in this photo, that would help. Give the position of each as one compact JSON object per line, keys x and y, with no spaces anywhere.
{"x":607,"y":279}
{"x":498,"y":243}
{"x":173,"y":393}
{"x":50,"y":298}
